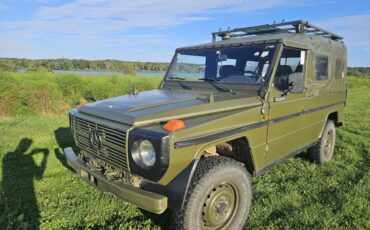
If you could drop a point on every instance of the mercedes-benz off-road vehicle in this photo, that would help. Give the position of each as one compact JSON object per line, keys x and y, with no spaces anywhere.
{"x":225,"y":111}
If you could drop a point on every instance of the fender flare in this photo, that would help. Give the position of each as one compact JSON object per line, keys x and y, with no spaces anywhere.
{"x":177,"y":189}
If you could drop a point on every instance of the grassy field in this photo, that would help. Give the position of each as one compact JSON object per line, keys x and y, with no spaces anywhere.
{"x":38,"y":189}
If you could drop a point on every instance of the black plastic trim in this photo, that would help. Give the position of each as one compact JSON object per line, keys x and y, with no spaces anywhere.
{"x":176,"y":190}
{"x":215,"y":136}
{"x":324,"y":106}
{"x":281,"y":160}
{"x":205,"y":139}
{"x":160,"y":143}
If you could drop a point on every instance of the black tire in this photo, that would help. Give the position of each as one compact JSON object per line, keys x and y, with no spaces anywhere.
{"x":209,"y":197}
{"x":323,"y":151}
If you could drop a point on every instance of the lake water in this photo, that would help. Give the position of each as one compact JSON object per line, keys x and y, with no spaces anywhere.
{"x":86,"y":72}
{"x":145,"y":74}
{"x":92,"y":72}
{"x":179,"y":74}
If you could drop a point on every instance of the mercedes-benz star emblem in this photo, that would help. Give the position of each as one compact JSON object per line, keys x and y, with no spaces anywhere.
{"x":95,"y":140}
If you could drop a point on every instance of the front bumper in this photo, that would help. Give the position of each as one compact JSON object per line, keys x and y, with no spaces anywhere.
{"x":149,"y":201}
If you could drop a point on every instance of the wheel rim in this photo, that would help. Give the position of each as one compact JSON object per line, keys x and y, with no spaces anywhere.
{"x":328,"y":144}
{"x":220,"y":206}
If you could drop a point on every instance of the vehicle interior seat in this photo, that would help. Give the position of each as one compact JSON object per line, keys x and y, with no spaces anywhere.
{"x":284,"y":70}
{"x":299,"y":69}
{"x":227,"y":70}
{"x":282,"y":77}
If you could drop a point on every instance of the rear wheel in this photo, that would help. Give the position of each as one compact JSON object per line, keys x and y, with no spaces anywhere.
{"x":324,"y":149}
{"x":219,"y":197}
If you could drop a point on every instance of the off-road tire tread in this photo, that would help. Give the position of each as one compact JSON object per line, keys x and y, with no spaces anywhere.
{"x":314,"y":152}
{"x":204,"y":166}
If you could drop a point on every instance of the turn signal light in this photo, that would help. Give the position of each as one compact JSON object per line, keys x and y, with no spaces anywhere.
{"x":265,"y":117}
{"x":82,"y":104}
{"x":173,"y":125}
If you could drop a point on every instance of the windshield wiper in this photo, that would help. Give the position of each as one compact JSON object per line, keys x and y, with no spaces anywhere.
{"x":177,"y":78}
{"x":224,"y":87}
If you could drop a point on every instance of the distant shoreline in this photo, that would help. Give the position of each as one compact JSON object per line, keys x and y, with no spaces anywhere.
{"x":101,"y":72}
{"x":110,"y":66}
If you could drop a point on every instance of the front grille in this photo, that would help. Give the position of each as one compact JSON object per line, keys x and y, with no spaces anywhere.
{"x":113,"y":142}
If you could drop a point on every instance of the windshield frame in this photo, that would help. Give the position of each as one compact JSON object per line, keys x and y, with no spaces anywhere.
{"x":174,"y":60}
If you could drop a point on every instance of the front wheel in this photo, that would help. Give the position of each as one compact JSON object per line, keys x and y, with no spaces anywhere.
{"x":219,"y":196}
{"x":323,"y":151}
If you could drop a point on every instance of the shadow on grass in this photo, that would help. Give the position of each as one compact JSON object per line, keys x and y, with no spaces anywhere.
{"x":304,"y":156}
{"x":19,"y":200}
{"x":163,"y":220}
{"x":64,"y":138}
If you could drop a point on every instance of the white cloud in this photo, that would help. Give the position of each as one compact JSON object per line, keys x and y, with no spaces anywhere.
{"x":355,"y":29}
{"x":356,"y":32}
{"x":111,"y":16}
{"x":120,"y":23}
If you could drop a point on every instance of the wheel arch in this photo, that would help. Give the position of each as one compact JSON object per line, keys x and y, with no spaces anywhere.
{"x":241,"y":151}
{"x":331,"y":116}
{"x":177,"y":189}
{"x":334,"y":116}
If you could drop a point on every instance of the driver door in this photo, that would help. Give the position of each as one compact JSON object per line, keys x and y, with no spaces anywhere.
{"x":285,"y":128}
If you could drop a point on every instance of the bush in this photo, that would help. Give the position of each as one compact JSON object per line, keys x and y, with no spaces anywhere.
{"x":71,"y":87}
{"x":43,"y":93}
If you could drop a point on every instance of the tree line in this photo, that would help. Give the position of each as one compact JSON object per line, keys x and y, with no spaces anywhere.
{"x":358,"y":71}
{"x":126,"y":67}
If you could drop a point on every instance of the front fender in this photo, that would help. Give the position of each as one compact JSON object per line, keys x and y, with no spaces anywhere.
{"x":176,"y":190}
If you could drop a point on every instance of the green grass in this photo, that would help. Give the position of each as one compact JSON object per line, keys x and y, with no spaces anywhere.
{"x":38,"y":189}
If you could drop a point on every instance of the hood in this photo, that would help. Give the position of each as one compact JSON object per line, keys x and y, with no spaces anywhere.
{"x":162,"y":105}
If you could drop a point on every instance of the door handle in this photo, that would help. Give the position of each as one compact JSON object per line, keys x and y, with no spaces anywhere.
{"x":277,"y":99}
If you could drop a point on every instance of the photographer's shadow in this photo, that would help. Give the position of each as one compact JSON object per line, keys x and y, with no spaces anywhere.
{"x":19,"y":172}
{"x":64,"y":138}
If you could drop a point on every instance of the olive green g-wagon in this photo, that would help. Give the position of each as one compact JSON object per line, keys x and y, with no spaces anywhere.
{"x":225,"y":111}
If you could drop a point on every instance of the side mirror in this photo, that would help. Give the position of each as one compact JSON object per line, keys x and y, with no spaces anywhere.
{"x":296,"y":83}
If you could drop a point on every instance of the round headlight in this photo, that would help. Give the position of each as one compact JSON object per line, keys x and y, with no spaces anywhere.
{"x":143,"y":153}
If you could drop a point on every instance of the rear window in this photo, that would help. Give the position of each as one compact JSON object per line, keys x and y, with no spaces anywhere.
{"x":321,"y":68}
{"x":339,"y":68}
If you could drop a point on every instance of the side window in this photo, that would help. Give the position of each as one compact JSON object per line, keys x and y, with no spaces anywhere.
{"x":291,"y":65}
{"x":321,"y":68}
{"x":339,"y":68}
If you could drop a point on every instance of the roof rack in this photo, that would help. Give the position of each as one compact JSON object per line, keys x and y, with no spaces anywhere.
{"x":283,"y":27}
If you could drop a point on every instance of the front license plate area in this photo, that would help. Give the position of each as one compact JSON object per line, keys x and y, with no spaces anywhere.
{"x":88,"y":177}
{"x":84,"y":174}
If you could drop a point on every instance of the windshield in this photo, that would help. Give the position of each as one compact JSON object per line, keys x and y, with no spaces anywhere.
{"x":248,"y":64}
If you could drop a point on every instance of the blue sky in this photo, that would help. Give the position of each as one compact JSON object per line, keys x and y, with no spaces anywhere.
{"x":150,"y":30}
